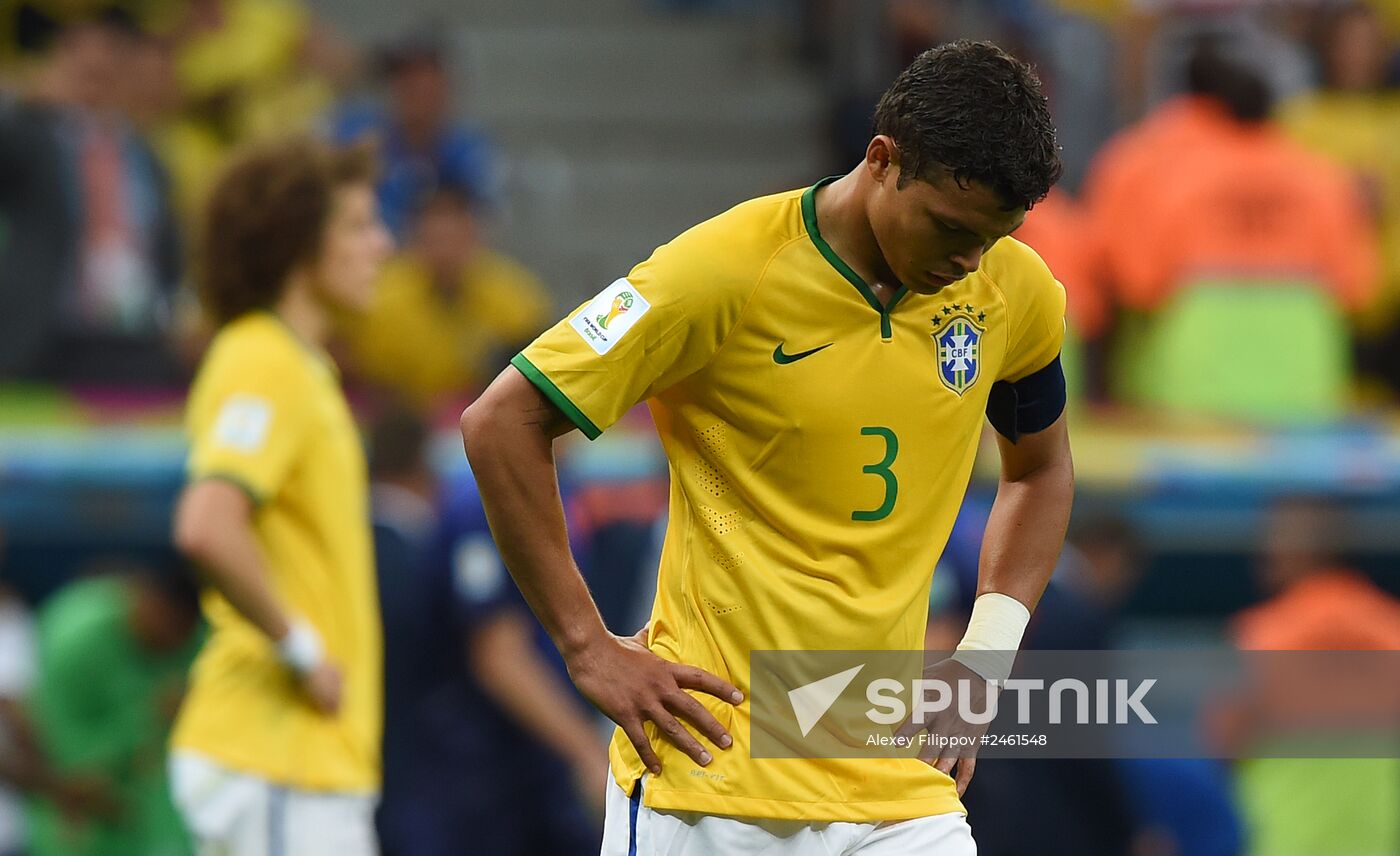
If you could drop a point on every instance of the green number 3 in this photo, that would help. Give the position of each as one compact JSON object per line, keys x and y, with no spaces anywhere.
{"x":882,"y":470}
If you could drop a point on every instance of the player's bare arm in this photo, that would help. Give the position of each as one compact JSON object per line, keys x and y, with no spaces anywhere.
{"x":509,"y":438}
{"x":503,"y":656}
{"x":214,"y":529}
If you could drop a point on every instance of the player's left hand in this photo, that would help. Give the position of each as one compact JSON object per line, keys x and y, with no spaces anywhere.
{"x":958,"y":761}
{"x":324,"y":684}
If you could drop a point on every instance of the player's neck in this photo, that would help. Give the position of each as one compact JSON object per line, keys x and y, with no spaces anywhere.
{"x":300,"y":310}
{"x":845,"y":226}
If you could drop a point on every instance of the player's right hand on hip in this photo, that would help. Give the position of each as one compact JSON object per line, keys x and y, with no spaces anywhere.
{"x":631,"y":685}
{"x":323,"y":684}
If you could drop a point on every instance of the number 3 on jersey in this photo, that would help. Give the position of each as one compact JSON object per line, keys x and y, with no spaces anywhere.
{"x":882,"y":469}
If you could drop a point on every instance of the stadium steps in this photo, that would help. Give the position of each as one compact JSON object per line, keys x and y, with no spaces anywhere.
{"x":622,"y":124}
{"x":615,"y":211}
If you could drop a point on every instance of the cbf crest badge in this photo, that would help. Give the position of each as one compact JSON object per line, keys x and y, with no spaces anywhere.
{"x":959,"y":342}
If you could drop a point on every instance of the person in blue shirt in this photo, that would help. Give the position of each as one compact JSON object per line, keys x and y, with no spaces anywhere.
{"x":486,"y":747}
{"x":420,"y":145}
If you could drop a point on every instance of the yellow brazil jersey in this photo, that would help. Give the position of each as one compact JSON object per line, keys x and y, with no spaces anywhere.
{"x":819,"y":446}
{"x":426,"y":344}
{"x":267,"y":413}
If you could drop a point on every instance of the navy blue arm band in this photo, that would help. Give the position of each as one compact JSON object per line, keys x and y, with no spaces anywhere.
{"x":1028,"y":405}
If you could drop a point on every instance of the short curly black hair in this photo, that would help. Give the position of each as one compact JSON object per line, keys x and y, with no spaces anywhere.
{"x":974,"y":109}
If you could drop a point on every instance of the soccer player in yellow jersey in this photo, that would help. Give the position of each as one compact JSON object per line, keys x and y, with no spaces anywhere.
{"x":276,"y":749}
{"x":818,"y":365}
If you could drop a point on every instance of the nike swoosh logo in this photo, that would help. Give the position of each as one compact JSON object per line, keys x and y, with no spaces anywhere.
{"x":783,"y":359}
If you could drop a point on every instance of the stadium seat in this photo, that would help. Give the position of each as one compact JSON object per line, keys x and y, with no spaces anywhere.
{"x":1264,"y":351}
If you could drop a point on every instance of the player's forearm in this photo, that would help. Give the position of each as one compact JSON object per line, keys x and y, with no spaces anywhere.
{"x":511,"y":670}
{"x":220,"y":540}
{"x":513,"y":462}
{"x":1026,"y":531}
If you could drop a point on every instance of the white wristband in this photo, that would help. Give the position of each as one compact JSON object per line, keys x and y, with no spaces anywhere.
{"x":301,"y":648}
{"x":993,"y":635}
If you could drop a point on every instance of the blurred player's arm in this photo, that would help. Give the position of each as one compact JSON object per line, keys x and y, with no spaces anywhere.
{"x":509,"y":438}
{"x":503,"y":657}
{"x":214,"y":529}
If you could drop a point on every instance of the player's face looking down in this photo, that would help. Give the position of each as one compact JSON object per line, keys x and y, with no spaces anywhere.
{"x":353,"y":248}
{"x":932,"y":231}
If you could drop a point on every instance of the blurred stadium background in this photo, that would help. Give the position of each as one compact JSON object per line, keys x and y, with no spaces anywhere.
{"x":1228,"y":232}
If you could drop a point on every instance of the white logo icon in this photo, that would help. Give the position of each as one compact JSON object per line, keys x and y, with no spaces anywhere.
{"x":242,"y":423}
{"x":810,"y":702}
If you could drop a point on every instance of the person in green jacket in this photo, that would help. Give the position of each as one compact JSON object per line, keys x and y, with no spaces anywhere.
{"x":113,"y":652}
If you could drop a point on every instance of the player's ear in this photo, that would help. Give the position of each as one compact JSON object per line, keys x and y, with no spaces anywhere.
{"x":881,"y":157}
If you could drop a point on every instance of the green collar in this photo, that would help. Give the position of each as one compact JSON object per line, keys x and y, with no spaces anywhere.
{"x":809,"y":218}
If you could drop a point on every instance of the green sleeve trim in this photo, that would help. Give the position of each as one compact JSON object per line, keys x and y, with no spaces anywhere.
{"x":554,"y":394}
{"x":237,"y":481}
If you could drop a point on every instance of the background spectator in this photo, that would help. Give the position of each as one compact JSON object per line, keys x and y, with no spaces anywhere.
{"x":26,"y":770}
{"x":422,"y":145}
{"x":1353,"y":118}
{"x":37,"y":245}
{"x":1174,"y":805}
{"x":1317,"y":806}
{"x":107,"y":311}
{"x":1157,"y":39}
{"x":17,"y":666}
{"x":243,"y":70}
{"x":1055,"y":228}
{"x":403,"y":495}
{"x":113,"y":652}
{"x":482,"y":724}
{"x":1097,"y":575}
{"x":1067,"y":806}
{"x":449,"y":312}
{"x":1244,"y":201}
{"x":1248,"y":218}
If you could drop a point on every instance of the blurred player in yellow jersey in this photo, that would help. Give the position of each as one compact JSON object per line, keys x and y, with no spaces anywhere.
{"x":276,"y":749}
{"x":819,"y":364}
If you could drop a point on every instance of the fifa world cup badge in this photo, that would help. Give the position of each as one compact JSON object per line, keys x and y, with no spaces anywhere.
{"x":605,"y":319}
